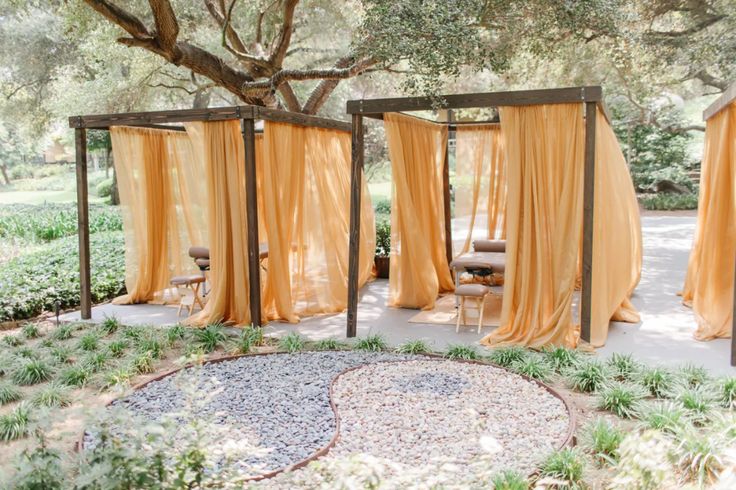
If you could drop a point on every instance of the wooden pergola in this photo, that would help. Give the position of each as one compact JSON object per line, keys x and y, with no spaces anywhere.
{"x":168,"y":120}
{"x":590,"y":96}
{"x":727,"y":98}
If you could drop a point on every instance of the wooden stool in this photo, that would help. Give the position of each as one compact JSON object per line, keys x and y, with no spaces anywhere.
{"x":475,"y":291}
{"x":190,"y":282}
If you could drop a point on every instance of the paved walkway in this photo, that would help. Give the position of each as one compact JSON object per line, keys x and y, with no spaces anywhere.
{"x":664,"y":336}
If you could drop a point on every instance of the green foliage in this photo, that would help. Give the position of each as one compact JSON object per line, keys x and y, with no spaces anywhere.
{"x":54,"y":395}
{"x":117,"y":377}
{"x":644,"y":462}
{"x":382,"y":207}
{"x":149,"y":343}
{"x":116,"y":348}
{"x":110,"y":325}
{"x":509,"y":480}
{"x":699,"y":455}
{"x":693,"y":376}
{"x":95,"y":361}
{"x":657,"y":380}
{"x":727,"y":392}
{"x":461,"y":351}
{"x":588,"y":377}
{"x":602,"y":439}
{"x":12,"y":340}
{"x":9,"y":393}
{"x":534,"y":367}
{"x":508,"y":355}
{"x":371,"y":343}
{"x":663,"y":416}
{"x":14,"y":424}
{"x":74,"y":376}
{"x":566,"y":465}
{"x":698,"y":401}
{"x":26,"y":353}
{"x":61,"y":353}
{"x":89,"y":342}
{"x":328,"y":344}
{"x":561,"y":358}
{"x":133,"y":332}
{"x":32,"y":372}
{"x":621,"y":399}
{"x":39,"y":468}
{"x":669,"y":202}
{"x":383,"y":237}
{"x":142,"y":363}
{"x":174,"y":334}
{"x":248,"y":338}
{"x":63,"y":332}
{"x":210,"y":337}
{"x":622,"y":366}
{"x":413,"y":347}
{"x":34,"y":282}
{"x":31,"y":330}
{"x":104,"y":188}
{"x":291,"y":343}
{"x":47,"y":222}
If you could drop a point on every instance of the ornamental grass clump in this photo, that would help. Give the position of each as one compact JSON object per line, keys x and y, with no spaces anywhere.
{"x":509,"y":480}
{"x":210,"y":337}
{"x":110,"y":325}
{"x":95,"y":361}
{"x":116,"y":348}
{"x":601,"y":439}
{"x":693,"y":376}
{"x":413,"y":347}
{"x":15,"y":424}
{"x":151,"y":344}
{"x":622,"y":367}
{"x":26,"y":353}
{"x":32,"y":372}
{"x":658,"y":381}
{"x":565,"y":466}
{"x":54,"y":395}
{"x":371,"y":343}
{"x":12,"y":340}
{"x":31,"y":330}
{"x":461,"y":351}
{"x":588,"y":376}
{"x":116,"y":377}
{"x":89,"y":342}
{"x":506,"y":356}
{"x":248,"y":338}
{"x":61,"y":354}
{"x":561,"y":358}
{"x":63,"y":332}
{"x":666,"y":416}
{"x":9,"y":393}
{"x":533,"y":366}
{"x":175,"y":334}
{"x":132,"y":332}
{"x":727,"y":393}
{"x":142,"y":363}
{"x":621,"y":399}
{"x":329,"y":344}
{"x":291,"y":343}
{"x":74,"y":376}
{"x":699,"y":402}
{"x":699,"y":455}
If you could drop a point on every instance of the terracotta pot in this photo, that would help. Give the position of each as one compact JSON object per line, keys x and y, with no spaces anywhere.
{"x":382,"y":267}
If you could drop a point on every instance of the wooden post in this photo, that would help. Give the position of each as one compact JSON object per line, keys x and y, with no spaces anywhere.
{"x":733,"y":323}
{"x":251,"y":204}
{"x":588,"y":210}
{"x":85,"y":291}
{"x":356,"y":177}
{"x":446,"y":196}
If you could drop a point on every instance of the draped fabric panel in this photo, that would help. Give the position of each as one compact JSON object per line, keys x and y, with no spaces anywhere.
{"x":617,"y":251}
{"x":480,"y":182}
{"x":544,"y":153}
{"x":709,"y":285}
{"x":219,"y":146}
{"x":419,"y":269}
{"x":306,"y":191}
{"x":157,"y":182}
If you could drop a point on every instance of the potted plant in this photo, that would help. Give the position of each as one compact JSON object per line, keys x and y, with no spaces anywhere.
{"x":383,"y":247}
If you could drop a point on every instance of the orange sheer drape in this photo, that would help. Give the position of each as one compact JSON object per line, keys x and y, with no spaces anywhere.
{"x":480,"y":182}
{"x":306,"y":192}
{"x":617,"y":253}
{"x":419,"y":269}
{"x":157,"y":182}
{"x":710,"y":274}
{"x":544,"y":153}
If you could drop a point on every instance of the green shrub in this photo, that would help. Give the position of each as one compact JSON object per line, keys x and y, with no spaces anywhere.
{"x":248,"y":338}
{"x":47,"y":222}
{"x":533,"y":366}
{"x":371,"y":343}
{"x":151,"y":344}
{"x":662,"y":416}
{"x":142,"y":363}
{"x":561,"y":358}
{"x":61,"y":353}
{"x":89,"y":342}
{"x":588,"y":377}
{"x":174,"y":334}
{"x":74,"y":376}
{"x":509,"y":480}
{"x":383,"y":237}
{"x":26,"y":353}
{"x":658,"y":381}
{"x":32,"y":372}
{"x":9,"y":393}
{"x":727,"y":392}
{"x":693,"y":376}
{"x":12,"y":340}
{"x":110,"y":325}
{"x":413,"y":347}
{"x":700,"y":455}
{"x":116,"y":348}
{"x":291,"y":343}
{"x":622,"y":367}
{"x":461,"y":351}
{"x":329,"y":344}
{"x":104,"y":188}
{"x":95,"y":361}
{"x":566,"y":465}
{"x":698,"y":402}
{"x":382,"y":206}
{"x":669,"y":202}
{"x":620,"y":399}
{"x":54,"y":395}
{"x":63,"y":332}
{"x":14,"y":424}
{"x":210,"y":337}
{"x":117,"y":377}
{"x":506,"y":356}
{"x":602,"y":439}
{"x":31,"y":330}
{"x":39,"y":469}
{"x":36,"y":281}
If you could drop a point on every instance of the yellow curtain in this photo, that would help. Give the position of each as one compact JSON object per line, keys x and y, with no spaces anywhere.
{"x":480,"y":182}
{"x":419,"y":269}
{"x":219,"y":146}
{"x":617,"y":252}
{"x":306,"y":191}
{"x":710,"y":275}
{"x":544,"y":153}
{"x":158,"y":185}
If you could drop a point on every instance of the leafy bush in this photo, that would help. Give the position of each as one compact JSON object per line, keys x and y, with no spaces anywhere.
{"x":12,"y":340}
{"x":669,"y":202}
{"x":700,"y":455}
{"x":34,"y":282}
{"x":175,"y":334}
{"x":61,"y":353}
{"x":46,"y":222}
{"x":727,"y":392}
{"x":39,"y":468}
{"x":142,"y":363}
{"x":89,"y":342}
{"x":698,"y":402}
{"x":119,"y":376}
{"x":506,"y":356}
{"x":383,"y":237}
{"x":602,"y":439}
{"x":74,"y":376}
{"x":104,"y":188}
{"x":63,"y":332}
{"x":31,"y":330}
{"x":693,"y":376}
{"x":461,"y":352}
{"x":328,"y":344}
{"x":371,"y":343}
{"x":116,"y":348}
{"x":110,"y":325}
{"x":248,"y":338}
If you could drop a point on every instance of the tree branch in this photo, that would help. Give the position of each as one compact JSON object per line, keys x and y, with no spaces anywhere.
{"x":292,"y":102}
{"x":167,"y":28}
{"x":127,"y":21}
{"x":284,"y":38}
{"x":282,"y":76}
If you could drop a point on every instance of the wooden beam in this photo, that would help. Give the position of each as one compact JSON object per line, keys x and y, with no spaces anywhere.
{"x":721,"y":102}
{"x":300,"y":119}
{"x":490,"y":99}
{"x":251,"y":204}
{"x":104,"y":121}
{"x":356,"y":176}
{"x":446,"y":196}
{"x":85,"y":289}
{"x":588,"y":213}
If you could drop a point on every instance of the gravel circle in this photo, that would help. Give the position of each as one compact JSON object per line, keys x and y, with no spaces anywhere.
{"x":279,"y":403}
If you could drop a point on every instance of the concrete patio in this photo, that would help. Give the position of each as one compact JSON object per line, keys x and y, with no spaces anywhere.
{"x":664,"y":335}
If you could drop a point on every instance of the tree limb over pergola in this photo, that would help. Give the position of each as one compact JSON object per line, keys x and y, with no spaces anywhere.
{"x":258,"y":73}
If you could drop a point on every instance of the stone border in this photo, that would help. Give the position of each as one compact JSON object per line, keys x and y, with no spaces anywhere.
{"x":568,"y":441}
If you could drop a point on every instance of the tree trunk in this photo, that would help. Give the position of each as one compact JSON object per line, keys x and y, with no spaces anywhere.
{"x":201,"y":99}
{"x":114,"y":194}
{"x":4,"y":169}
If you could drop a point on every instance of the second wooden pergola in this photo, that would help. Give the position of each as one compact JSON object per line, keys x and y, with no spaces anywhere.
{"x":590,"y":96}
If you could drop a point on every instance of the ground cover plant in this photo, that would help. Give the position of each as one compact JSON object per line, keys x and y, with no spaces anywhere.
{"x":47,"y":222}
